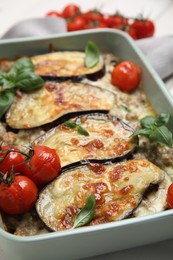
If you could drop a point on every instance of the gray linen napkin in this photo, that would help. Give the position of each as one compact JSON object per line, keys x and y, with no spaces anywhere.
{"x":36,"y":27}
{"x":159,"y":50}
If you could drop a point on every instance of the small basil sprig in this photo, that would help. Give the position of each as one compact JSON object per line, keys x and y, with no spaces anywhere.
{"x":154,"y":128}
{"x":86,"y":214}
{"x":6,"y":99}
{"x":91,"y":55}
{"x":22,"y":77}
{"x":79,"y":128}
{"x":126,"y":108}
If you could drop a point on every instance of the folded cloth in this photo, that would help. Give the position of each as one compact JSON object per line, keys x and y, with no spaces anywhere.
{"x":36,"y":27}
{"x":158,"y":50}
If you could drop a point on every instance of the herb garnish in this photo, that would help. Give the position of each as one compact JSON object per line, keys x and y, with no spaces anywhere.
{"x":6,"y":99}
{"x":79,"y":128}
{"x":91,"y":55}
{"x":126,"y":108}
{"x":22,"y":77}
{"x":154,"y":128}
{"x":86,"y":214}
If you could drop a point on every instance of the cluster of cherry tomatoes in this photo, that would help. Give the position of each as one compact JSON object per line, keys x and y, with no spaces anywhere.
{"x":22,"y":174}
{"x":77,"y":20}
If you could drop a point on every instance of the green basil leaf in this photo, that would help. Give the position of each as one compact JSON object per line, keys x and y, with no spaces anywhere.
{"x":6,"y":99}
{"x":147,"y":122}
{"x":70,"y":124}
{"x":28,"y":82}
{"x":25,"y":82}
{"x":79,"y":128}
{"x":8,"y":80}
{"x":126,"y":108}
{"x":162,"y":135}
{"x":162,"y":119}
{"x":86,"y":214}
{"x":22,"y":64}
{"x":21,"y":76}
{"x":154,"y":129}
{"x":91,"y":55}
{"x":1,"y":77}
{"x":82,"y":131}
{"x":145,"y":132}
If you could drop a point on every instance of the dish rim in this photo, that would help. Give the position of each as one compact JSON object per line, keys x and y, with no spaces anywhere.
{"x":110,"y":225}
{"x":87,"y":229}
{"x":127,"y":37}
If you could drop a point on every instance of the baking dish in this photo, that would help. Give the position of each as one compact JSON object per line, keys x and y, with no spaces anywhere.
{"x":103,"y":238}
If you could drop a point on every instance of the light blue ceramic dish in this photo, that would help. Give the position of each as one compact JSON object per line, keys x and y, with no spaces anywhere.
{"x":104,"y":238}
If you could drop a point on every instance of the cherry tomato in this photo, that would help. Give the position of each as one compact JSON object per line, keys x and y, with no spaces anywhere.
{"x":43,"y":166}
{"x":79,"y":15}
{"x":70,"y":10}
{"x":11,"y":162}
{"x":93,"y":15}
{"x":131,"y":32}
{"x":95,"y":24}
{"x":126,"y":76}
{"x":169,"y":197}
{"x":77,"y":24}
{"x":18,"y":197}
{"x":89,"y":26}
{"x":54,"y":14}
{"x":117,"y":22}
{"x":143,"y":28}
{"x":101,"y":25}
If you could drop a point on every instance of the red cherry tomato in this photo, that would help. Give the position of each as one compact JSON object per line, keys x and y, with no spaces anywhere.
{"x":143,"y":28}
{"x":117,"y":22}
{"x":90,"y":26}
{"x":126,"y":76}
{"x":77,"y":24}
{"x":70,"y":10}
{"x":11,"y":162}
{"x":80,"y":15}
{"x":169,"y":197}
{"x":93,"y":15}
{"x":132,"y":33}
{"x":43,"y":166}
{"x":102,"y":25}
{"x":54,"y":14}
{"x":95,"y":24}
{"x":19,"y":197}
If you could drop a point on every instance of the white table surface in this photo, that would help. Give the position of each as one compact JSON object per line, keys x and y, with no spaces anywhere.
{"x":13,"y":11}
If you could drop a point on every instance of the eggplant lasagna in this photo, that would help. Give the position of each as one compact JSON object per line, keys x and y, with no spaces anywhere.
{"x":128,"y":176}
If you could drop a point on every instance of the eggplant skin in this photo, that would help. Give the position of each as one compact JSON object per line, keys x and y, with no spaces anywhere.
{"x":118,"y":190}
{"x":108,"y":140}
{"x":154,"y":201}
{"x":93,"y":77}
{"x":55,"y":100}
{"x":67,"y":65}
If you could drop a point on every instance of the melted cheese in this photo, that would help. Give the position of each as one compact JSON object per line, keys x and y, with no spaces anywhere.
{"x":64,"y":64}
{"x":108,"y":138}
{"x":118,"y":190}
{"x":54,"y":100}
{"x":117,"y":194}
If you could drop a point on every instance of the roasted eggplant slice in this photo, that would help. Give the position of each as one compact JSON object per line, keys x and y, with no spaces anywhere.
{"x":55,"y":100}
{"x":108,"y":138}
{"x":118,"y":190}
{"x":155,"y":201}
{"x":66,"y":65}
